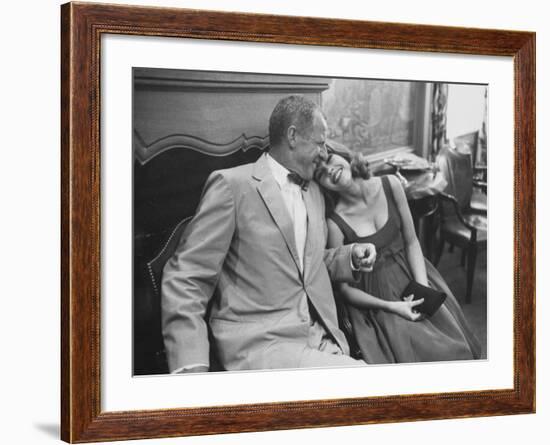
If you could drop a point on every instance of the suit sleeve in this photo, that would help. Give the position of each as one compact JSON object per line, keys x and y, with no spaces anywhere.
{"x":339,"y":264}
{"x":190,"y":276}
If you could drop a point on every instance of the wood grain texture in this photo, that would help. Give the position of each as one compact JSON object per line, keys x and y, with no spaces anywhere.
{"x":82,"y":26}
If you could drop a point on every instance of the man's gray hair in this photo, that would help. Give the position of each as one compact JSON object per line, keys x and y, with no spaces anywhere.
{"x":292,"y":110}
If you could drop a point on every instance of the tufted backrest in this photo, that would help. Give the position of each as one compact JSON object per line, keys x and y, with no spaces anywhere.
{"x":456,"y":167}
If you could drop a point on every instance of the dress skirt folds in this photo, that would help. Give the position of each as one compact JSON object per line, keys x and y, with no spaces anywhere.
{"x":384,"y":337}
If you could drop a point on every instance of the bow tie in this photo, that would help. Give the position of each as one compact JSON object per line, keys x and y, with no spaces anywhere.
{"x":297,"y":179}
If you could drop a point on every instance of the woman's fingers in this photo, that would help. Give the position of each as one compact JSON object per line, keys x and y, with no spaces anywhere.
{"x":414,"y":315}
{"x":407,"y":310}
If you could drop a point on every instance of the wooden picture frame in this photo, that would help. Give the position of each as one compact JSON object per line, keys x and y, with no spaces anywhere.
{"x":82,"y":26}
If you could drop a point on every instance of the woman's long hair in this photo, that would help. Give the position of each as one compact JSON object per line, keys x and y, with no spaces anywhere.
{"x":359,"y":167}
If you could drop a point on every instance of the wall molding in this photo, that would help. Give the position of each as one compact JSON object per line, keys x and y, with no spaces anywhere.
{"x":146,"y":152}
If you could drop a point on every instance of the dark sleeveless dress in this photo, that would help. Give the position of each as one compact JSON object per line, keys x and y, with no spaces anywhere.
{"x":384,"y":337}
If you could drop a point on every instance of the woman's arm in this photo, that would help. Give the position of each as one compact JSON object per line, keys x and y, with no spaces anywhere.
{"x":412,"y":246}
{"x":361,"y":299}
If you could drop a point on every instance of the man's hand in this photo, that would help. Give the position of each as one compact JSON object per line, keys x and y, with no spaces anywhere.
{"x":363,"y":256}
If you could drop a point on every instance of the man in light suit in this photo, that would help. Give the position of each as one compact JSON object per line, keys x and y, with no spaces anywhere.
{"x":257,"y":246}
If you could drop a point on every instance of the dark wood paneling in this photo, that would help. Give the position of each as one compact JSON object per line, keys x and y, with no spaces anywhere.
{"x":213,"y":112}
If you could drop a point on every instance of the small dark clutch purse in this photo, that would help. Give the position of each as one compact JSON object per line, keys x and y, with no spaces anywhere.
{"x":433,"y":299}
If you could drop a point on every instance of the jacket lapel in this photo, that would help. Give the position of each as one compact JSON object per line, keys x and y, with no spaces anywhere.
{"x":312,"y":216}
{"x":273,"y":200}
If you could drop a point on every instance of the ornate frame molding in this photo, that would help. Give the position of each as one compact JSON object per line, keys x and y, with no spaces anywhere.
{"x":82,"y":26}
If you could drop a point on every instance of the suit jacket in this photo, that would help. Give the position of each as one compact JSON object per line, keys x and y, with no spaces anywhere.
{"x":239,"y":248}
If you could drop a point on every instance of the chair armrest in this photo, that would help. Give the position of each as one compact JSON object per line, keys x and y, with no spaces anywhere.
{"x":481,"y":185}
{"x":452,"y":199}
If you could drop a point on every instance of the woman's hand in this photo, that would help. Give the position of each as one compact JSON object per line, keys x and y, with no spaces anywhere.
{"x":405,"y":308}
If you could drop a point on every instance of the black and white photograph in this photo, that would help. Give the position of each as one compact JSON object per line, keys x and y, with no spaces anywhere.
{"x":242,"y":222}
{"x":291,"y":221}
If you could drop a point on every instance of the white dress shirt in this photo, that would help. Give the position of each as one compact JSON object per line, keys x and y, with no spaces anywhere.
{"x":294,"y":201}
{"x":292,"y":197}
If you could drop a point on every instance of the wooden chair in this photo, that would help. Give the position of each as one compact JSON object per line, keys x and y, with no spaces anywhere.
{"x":460,"y":224}
{"x":471,"y":143}
{"x":479,"y":169}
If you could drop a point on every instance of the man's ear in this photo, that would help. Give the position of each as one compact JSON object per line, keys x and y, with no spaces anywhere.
{"x":291,"y":134}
